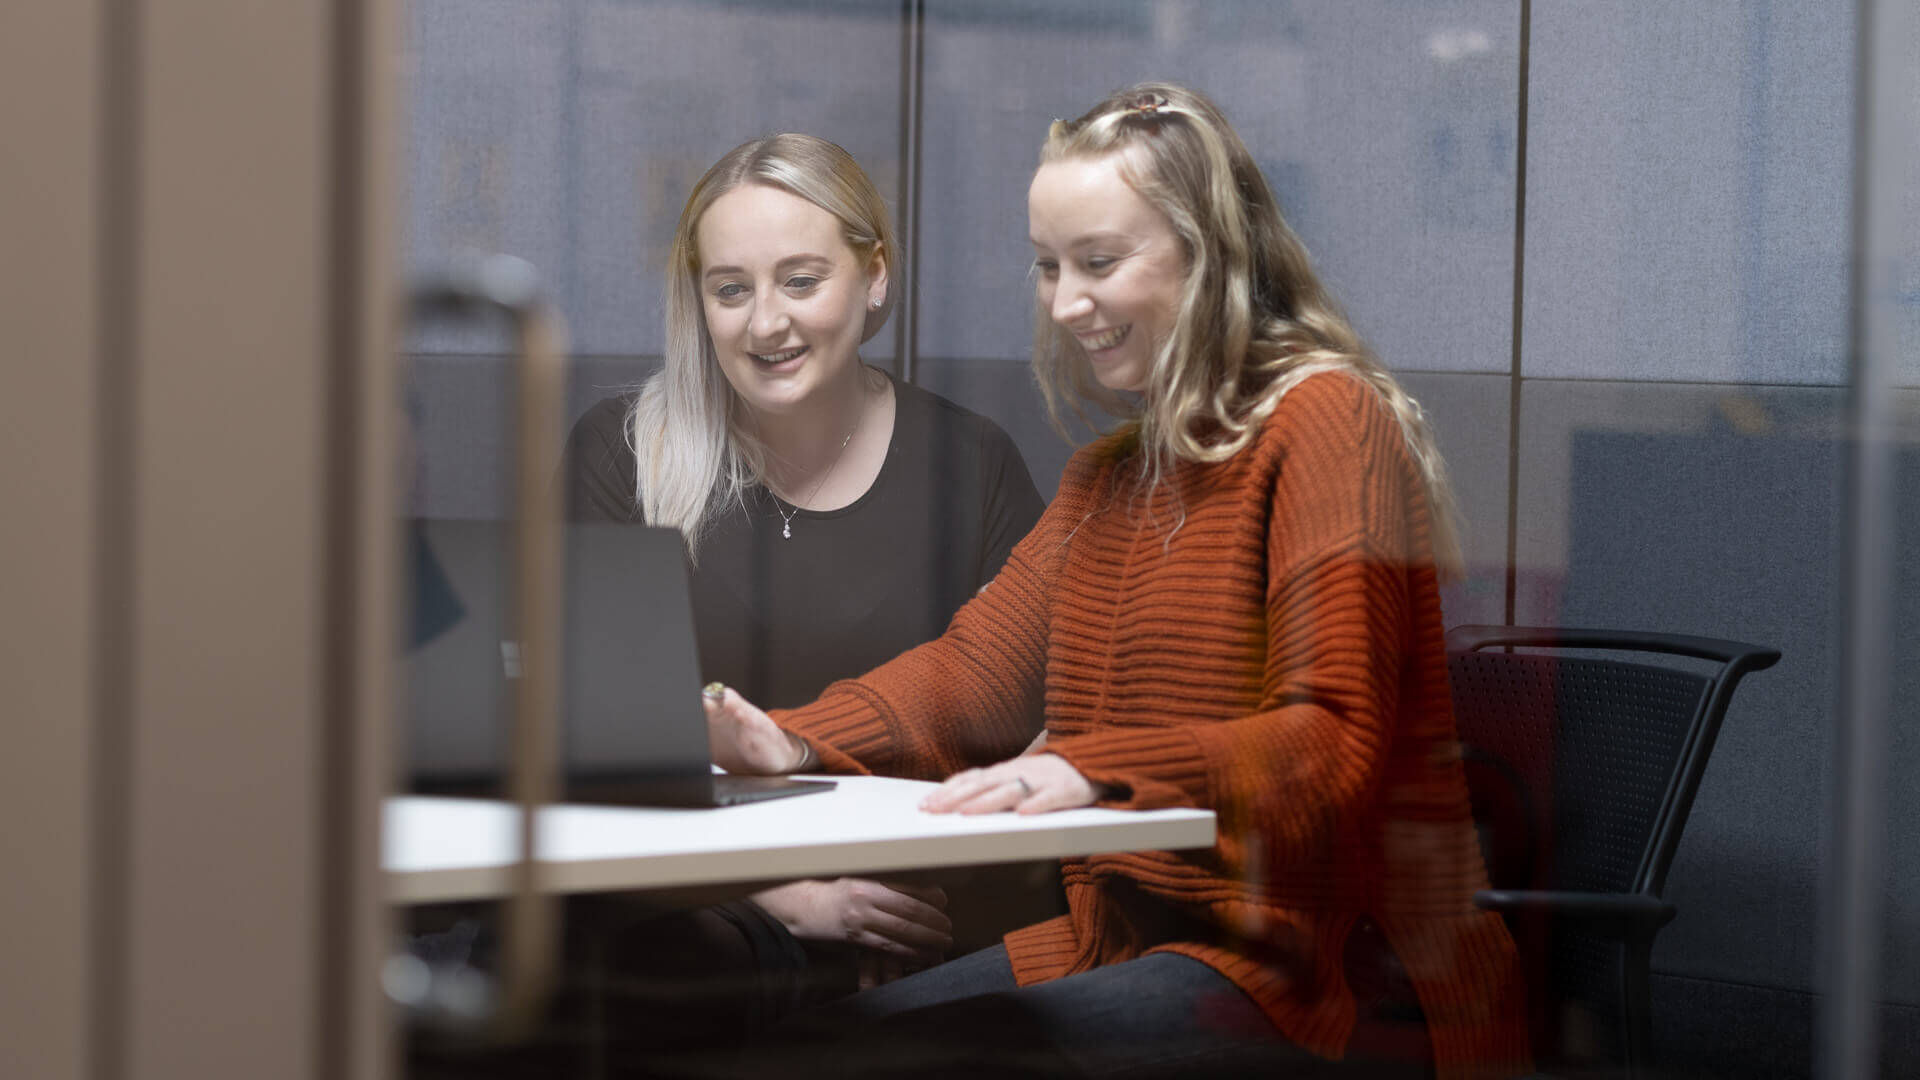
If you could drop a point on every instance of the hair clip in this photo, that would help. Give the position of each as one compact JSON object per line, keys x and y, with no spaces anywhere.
{"x":1149,"y":107}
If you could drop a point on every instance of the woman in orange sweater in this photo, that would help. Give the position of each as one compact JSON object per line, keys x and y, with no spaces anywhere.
{"x":1232,"y":604}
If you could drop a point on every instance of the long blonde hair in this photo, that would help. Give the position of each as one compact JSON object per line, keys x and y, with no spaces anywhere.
{"x":695,"y":453}
{"x":1254,"y":320}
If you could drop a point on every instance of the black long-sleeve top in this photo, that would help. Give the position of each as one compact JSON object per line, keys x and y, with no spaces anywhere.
{"x":778,"y":618}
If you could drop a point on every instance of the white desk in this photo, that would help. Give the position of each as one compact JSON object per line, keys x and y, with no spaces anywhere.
{"x":438,"y":849}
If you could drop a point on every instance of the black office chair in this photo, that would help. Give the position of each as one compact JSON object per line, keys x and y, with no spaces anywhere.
{"x":1582,"y":772}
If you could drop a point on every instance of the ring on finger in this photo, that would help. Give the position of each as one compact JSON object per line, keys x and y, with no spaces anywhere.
{"x":1026,"y":789}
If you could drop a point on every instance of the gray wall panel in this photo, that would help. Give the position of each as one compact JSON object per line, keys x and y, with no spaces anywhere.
{"x":1688,"y":168}
{"x":1469,"y":414}
{"x":1388,"y":134}
{"x":1004,"y":390}
{"x":1904,"y":313}
{"x":458,"y":422}
{"x":460,"y":438}
{"x":485,"y":127}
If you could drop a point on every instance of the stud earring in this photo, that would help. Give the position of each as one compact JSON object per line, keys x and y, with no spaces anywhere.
{"x":877,"y":301}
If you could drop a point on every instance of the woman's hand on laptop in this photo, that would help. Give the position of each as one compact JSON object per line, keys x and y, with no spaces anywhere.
{"x":746,"y":740}
{"x":905,"y":924}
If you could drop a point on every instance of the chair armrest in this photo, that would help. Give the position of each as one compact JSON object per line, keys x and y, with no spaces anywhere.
{"x":1741,"y":656}
{"x":1635,"y":911}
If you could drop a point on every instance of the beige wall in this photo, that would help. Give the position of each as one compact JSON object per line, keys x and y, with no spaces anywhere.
{"x":198,"y":403}
{"x":49,"y":73}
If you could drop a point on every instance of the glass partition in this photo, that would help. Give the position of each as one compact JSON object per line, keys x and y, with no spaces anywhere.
{"x":1650,"y":268}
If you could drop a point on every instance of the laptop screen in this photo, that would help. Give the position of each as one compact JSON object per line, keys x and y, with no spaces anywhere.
{"x":632,"y":722}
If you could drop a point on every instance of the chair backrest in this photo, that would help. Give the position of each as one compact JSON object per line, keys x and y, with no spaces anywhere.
{"x":1582,"y":772}
{"x":1597,"y":746}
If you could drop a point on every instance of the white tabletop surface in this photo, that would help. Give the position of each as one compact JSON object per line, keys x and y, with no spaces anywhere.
{"x":436,"y":849}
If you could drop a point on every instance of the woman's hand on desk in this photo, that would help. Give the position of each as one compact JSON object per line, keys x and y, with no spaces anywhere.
{"x":745,"y":740}
{"x":902,"y":925}
{"x":1032,"y":783}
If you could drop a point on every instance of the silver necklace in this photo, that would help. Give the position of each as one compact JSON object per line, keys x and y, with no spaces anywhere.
{"x":786,"y":516}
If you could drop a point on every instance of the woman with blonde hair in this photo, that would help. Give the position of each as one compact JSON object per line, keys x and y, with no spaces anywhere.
{"x":833,"y":517}
{"x":1232,"y":603}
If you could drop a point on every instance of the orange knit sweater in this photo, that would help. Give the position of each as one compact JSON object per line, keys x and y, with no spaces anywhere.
{"x":1277,"y":658}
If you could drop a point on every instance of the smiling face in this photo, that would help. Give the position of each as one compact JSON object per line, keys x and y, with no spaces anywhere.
{"x":1109,"y":266}
{"x":785,"y":297}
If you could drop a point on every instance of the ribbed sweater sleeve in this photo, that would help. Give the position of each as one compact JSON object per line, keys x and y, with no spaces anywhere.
{"x":1284,"y":777}
{"x":969,"y":697}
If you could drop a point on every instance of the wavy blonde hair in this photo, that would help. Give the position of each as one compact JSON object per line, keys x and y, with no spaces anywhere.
{"x":1254,"y":320}
{"x":695,"y":453}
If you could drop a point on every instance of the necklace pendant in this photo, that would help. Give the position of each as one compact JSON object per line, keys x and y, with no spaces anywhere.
{"x":786,"y":530}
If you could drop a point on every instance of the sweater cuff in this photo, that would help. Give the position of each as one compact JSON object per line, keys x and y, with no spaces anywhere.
{"x":846,"y":728}
{"x":1141,"y":768}
{"x":1043,"y":951}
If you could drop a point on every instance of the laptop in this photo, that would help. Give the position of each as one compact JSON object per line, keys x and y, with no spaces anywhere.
{"x":633,"y":729}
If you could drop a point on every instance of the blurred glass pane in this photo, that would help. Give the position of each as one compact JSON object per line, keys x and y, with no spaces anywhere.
{"x":568,"y":132}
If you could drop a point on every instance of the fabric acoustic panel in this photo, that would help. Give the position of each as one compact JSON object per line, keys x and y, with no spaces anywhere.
{"x":1688,"y":177}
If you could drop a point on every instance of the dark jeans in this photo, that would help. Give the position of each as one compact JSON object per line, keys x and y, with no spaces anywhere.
{"x":1163,"y":1015}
